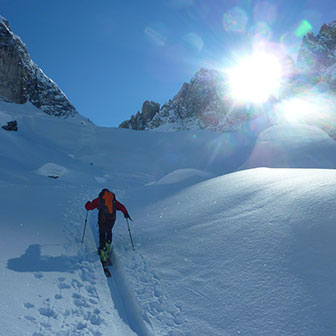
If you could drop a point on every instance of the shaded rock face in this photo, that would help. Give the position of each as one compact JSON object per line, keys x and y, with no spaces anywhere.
{"x":317,"y":53}
{"x":199,"y":104}
{"x":22,"y":80}
{"x":140,"y":120}
{"x":11,"y":126}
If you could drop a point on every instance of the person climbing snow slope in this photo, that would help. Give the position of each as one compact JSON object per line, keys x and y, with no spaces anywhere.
{"x":107,"y":205}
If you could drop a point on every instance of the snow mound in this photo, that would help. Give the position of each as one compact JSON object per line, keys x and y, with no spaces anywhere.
{"x":4,"y":118}
{"x":180,"y":175}
{"x":255,"y":256}
{"x":294,"y":146}
{"x":100,"y":179}
{"x":52,"y":170}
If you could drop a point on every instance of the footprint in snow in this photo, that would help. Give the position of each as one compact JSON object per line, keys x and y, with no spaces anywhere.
{"x":38,"y":275}
{"x":81,"y":326}
{"x":45,"y":325}
{"x":76,"y":284}
{"x":80,"y":301}
{"x":62,"y":284}
{"x":30,"y":318}
{"x":47,"y":312}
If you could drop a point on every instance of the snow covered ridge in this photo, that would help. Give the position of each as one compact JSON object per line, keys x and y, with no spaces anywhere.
{"x":21,"y":80}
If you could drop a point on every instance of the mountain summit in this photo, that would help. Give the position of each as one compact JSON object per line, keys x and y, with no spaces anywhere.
{"x":201,"y":103}
{"x":21,"y":80}
{"x":317,"y":54}
{"x":204,"y":103}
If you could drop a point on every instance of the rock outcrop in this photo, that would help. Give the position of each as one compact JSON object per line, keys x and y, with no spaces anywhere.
{"x":204,"y":103}
{"x":317,"y":54}
{"x":11,"y":126}
{"x":200,"y":104}
{"x":21,"y":80}
{"x":141,"y":119}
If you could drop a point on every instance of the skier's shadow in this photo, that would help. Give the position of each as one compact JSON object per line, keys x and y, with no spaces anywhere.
{"x":33,"y":261}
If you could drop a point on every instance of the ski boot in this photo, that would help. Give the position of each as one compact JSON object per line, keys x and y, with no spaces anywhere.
{"x":103,"y":255}
{"x":108,"y":247}
{"x":104,"y":260}
{"x":108,"y":252}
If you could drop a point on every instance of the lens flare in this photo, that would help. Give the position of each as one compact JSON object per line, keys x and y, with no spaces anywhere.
{"x":304,"y":28}
{"x":235,"y":20}
{"x":193,"y":41}
{"x":314,"y":109}
{"x":261,"y":31}
{"x":155,"y":36}
{"x":254,"y":79}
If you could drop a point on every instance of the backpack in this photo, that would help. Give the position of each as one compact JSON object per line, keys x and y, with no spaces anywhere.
{"x":107,"y":207}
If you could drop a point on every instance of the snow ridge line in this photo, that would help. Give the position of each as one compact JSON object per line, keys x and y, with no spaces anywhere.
{"x":122,"y":296}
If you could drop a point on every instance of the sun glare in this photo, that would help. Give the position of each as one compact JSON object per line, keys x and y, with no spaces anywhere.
{"x":313,"y":108}
{"x":254,"y":79}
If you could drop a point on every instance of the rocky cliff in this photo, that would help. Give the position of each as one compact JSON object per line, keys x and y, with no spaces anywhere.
{"x":317,"y":55}
{"x":22,"y":80}
{"x":200,"y":104}
{"x":204,"y":103}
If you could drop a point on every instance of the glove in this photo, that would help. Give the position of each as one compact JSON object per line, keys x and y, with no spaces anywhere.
{"x":87,"y":205}
{"x":128,"y":216}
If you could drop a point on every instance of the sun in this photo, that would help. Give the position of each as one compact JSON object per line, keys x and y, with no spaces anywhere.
{"x":255,"y":78}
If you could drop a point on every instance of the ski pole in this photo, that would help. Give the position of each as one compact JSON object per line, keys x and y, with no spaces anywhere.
{"x":85,"y":225}
{"x":129,"y":231}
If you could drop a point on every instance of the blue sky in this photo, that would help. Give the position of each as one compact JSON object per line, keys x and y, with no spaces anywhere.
{"x":109,"y":56}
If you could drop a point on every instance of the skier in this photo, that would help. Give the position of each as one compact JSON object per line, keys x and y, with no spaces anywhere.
{"x":107,"y":205}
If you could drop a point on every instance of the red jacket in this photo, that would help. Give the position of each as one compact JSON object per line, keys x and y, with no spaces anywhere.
{"x":95,"y":205}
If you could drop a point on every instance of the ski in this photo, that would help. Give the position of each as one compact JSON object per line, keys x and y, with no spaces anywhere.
{"x":106,"y":270}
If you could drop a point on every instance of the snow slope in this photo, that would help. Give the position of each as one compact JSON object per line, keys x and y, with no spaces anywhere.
{"x":218,"y":251}
{"x":249,"y":253}
{"x":296,"y":146}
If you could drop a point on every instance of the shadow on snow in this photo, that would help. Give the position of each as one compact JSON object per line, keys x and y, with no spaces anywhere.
{"x":33,"y":261}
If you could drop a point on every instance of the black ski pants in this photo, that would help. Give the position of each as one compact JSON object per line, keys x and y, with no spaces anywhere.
{"x":105,"y":233}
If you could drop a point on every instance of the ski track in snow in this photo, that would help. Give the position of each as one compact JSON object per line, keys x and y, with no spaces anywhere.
{"x":121,"y":294}
{"x":84,"y":317}
{"x":138,"y":294}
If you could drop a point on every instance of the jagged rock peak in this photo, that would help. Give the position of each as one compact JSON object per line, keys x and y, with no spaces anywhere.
{"x":317,"y":53}
{"x":22,"y":80}
{"x":201,"y":103}
{"x":4,"y":22}
{"x":139,"y":121}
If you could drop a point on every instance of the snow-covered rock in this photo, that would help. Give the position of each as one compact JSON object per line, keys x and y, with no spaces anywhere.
{"x":317,"y":53}
{"x":201,"y":104}
{"x":21,"y":80}
{"x":11,"y":126}
{"x":204,"y":102}
{"x":139,"y":121}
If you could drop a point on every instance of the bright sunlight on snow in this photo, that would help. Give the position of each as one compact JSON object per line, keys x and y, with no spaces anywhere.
{"x":255,"y":78}
{"x":218,"y":250}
